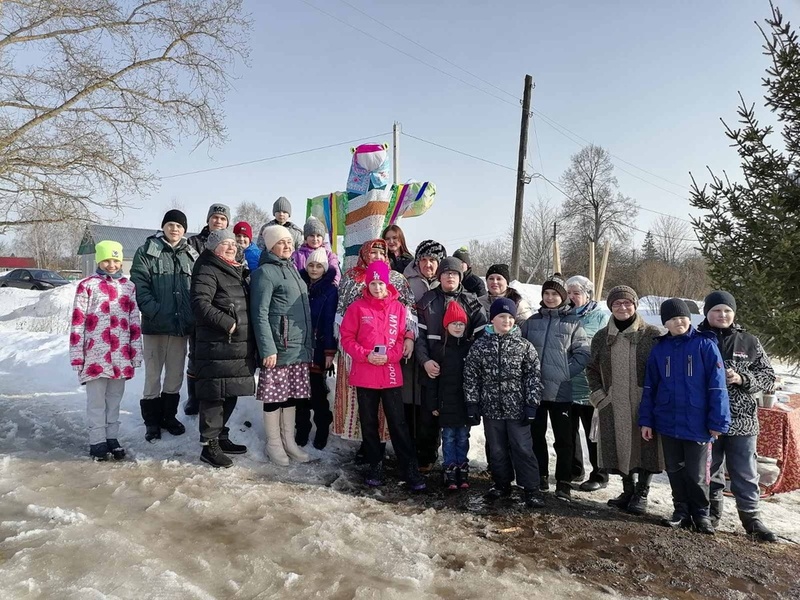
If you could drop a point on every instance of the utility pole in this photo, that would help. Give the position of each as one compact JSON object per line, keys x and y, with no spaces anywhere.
{"x":396,"y":151}
{"x":521,"y":177}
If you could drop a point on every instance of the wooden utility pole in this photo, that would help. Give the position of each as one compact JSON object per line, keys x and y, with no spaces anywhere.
{"x":396,"y":152}
{"x":521,"y":178}
{"x":602,"y":277}
{"x":556,"y":252}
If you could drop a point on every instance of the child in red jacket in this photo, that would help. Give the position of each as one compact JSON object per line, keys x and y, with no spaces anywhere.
{"x":372,"y":333}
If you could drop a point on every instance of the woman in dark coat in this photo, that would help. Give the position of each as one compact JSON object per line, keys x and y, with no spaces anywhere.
{"x":224,"y":352}
{"x":399,"y":255}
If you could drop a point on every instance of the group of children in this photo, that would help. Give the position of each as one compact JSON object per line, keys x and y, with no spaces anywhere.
{"x":496,"y":376}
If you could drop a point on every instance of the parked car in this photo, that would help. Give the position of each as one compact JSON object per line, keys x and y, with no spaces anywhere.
{"x":32,"y":279}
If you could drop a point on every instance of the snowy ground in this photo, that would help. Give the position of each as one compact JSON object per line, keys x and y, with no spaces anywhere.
{"x":164,"y":525}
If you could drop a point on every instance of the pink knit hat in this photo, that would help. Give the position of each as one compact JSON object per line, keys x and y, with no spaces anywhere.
{"x":377,"y":271}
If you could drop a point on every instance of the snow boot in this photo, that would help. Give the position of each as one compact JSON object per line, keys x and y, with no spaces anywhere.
{"x":533,"y":499}
{"x":192,"y":404}
{"x":213,"y":455}
{"x":702,"y":523}
{"x":680,"y":517}
{"x":544,"y":483}
{"x":117,"y":451}
{"x":374,"y":477}
{"x":715,"y":510}
{"x":638,"y":502}
{"x":272,"y":428}
{"x":628,"y":489}
{"x":414,"y":479}
{"x":287,"y":435}
{"x":592,"y":485}
{"x":564,"y":491}
{"x":99,"y":452}
{"x":151,"y":414}
{"x":497,"y":492}
{"x":755,"y":528}
{"x":228,"y":447}
{"x":462,"y":473}
{"x":323,"y":424}
{"x":169,"y":404}
{"x":450,"y":478}
{"x":302,"y":422}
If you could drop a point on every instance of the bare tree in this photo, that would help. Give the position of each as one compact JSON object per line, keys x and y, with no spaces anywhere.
{"x":672,"y":239}
{"x":536,"y":252}
{"x":594,"y":208}
{"x":252,"y":213}
{"x":53,"y":245}
{"x":486,"y":254}
{"x":90,"y":89}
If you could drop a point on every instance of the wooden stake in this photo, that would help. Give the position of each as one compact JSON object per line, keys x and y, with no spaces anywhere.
{"x":603,"y":266}
{"x":591,"y":261}
{"x":556,"y":257}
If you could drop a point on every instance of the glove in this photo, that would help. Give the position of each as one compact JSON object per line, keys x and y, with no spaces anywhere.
{"x":473,"y":414}
{"x":473,"y":420}
{"x":530,"y":413}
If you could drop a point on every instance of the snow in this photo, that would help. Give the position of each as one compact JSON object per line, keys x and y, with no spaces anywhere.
{"x":162,"y":524}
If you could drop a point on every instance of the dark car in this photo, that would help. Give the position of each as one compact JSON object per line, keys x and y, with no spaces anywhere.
{"x":32,"y":279}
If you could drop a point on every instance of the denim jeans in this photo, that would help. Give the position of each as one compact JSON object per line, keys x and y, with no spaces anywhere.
{"x":455,"y":445}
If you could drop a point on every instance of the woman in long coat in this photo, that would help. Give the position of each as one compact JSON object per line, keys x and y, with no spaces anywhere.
{"x":345,"y":410}
{"x":616,"y":376}
{"x":224,"y":352}
{"x":284,"y":335}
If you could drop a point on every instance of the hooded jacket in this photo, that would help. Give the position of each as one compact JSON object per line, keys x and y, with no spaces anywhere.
{"x":684,"y":394}
{"x":502,"y":375}
{"x":323,"y":297}
{"x":593,"y":320}
{"x":300,"y":257}
{"x":162,"y":275}
{"x":419,"y":284}
{"x":224,"y":362}
{"x":743,"y":353}
{"x":370,"y":322}
{"x":252,"y":254}
{"x":563,"y":349}
{"x":280,"y":312}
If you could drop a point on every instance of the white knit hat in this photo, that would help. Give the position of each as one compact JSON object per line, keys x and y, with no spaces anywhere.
{"x":318,"y":256}
{"x":273,"y":234}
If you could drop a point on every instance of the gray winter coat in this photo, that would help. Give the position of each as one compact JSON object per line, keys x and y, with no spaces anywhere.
{"x":502,"y":375}
{"x":280,"y":312}
{"x":563,"y":350}
{"x":419,"y":285}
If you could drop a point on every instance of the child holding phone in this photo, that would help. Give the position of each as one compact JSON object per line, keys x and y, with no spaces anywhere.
{"x":372,"y":333}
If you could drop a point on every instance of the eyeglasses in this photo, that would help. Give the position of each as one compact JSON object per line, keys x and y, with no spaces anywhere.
{"x":622,"y":304}
{"x":228,"y":243}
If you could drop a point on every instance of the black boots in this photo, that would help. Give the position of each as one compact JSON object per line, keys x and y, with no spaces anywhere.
{"x":703,"y":524}
{"x":213,"y":455}
{"x":638,"y":502}
{"x":117,"y":451}
{"x":533,"y":499}
{"x":228,"y":447}
{"x":715,"y":510}
{"x":680,"y":517}
{"x":628,"y":489}
{"x":169,"y":408}
{"x":450,"y":478}
{"x":323,"y":424}
{"x":496,"y":492}
{"x":192,"y":405}
{"x":151,"y":414}
{"x":563,"y":491}
{"x":99,"y":452}
{"x":463,"y":476}
{"x":755,"y":528}
{"x":544,"y":484}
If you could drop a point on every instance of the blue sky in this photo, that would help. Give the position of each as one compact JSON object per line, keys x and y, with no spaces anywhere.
{"x":646,"y":80}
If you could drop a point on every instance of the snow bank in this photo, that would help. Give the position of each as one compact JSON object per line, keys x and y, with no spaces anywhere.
{"x":29,"y":310}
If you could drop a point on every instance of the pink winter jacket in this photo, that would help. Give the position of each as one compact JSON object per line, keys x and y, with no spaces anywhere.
{"x":370,"y":322}
{"x":106,"y":335}
{"x":300,"y":257}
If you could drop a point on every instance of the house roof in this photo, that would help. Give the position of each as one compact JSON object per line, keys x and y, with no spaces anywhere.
{"x":130,"y":238}
{"x":16,"y":262}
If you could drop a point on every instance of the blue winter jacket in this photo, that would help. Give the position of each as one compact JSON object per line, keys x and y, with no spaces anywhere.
{"x":252,"y":255}
{"x":685,"y":395}
{"x":323,"y":296}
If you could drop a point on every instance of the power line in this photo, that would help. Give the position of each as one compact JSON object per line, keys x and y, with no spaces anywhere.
{"x":486,"y":160}
{"x":275,"y":157}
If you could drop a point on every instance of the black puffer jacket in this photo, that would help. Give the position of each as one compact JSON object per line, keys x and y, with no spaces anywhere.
{"x":474,"y":284}
{"x":224,"y":363}
{"x":430,"y":312}
{"x":743,"y":353}
{"x":446,"y":392}
{"x":502,"y":375}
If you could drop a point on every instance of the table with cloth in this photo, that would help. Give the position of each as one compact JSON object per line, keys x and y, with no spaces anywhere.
{"x":780,"y":439}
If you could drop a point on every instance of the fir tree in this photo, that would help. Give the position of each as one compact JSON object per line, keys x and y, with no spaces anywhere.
{"x":649,"y":251}
{"x":751,"y":232}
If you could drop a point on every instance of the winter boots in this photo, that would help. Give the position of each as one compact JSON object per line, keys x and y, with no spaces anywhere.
{"x":375,"y":476}
{"x":755,"y":528}
{"x":99,"y":452}
{"x":228,"y":447}
{"x":680,"y":517}
{"x":715,"y":510}
{"x":544,"y":484}
{"x":564,"y":491}
{"x":462,"y":473}
{"x":281,"y":445}
{"x":702,"y":524}
{"x":213,"y":455}
{"x":533,"y":499}
{"x":628,"y":489}
{"x":323,"y":424}
{"x":192,"y":405}
{"x":638,"y":502}
{"x":169,"y":408}
{"x":497,"y":492}
{"x":117,"y":451}
{"x":151,"y":413}
{"x":450,"y":478}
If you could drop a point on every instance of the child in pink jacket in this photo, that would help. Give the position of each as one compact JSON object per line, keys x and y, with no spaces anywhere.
{"x":105,"y":346}
{"x":372,"y":333}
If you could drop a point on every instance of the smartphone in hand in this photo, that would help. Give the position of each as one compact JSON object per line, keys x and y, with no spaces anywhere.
{"x":380,"y":350}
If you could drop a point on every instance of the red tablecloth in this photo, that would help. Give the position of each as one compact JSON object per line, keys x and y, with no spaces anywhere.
{"x":780,"y":439}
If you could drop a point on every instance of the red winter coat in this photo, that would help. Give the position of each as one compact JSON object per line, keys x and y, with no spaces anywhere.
{"x":370,"y":322}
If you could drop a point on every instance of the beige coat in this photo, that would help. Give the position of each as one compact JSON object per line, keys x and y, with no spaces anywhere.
{"x":616,"y":375}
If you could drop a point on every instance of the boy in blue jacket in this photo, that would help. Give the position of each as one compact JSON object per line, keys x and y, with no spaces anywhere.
{"x":685,"y":400}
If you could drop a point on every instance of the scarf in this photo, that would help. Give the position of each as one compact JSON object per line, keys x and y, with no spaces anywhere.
{"x":117,"y":275}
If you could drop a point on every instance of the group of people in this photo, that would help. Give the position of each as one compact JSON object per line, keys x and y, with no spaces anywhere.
{"x":422,"y":352}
